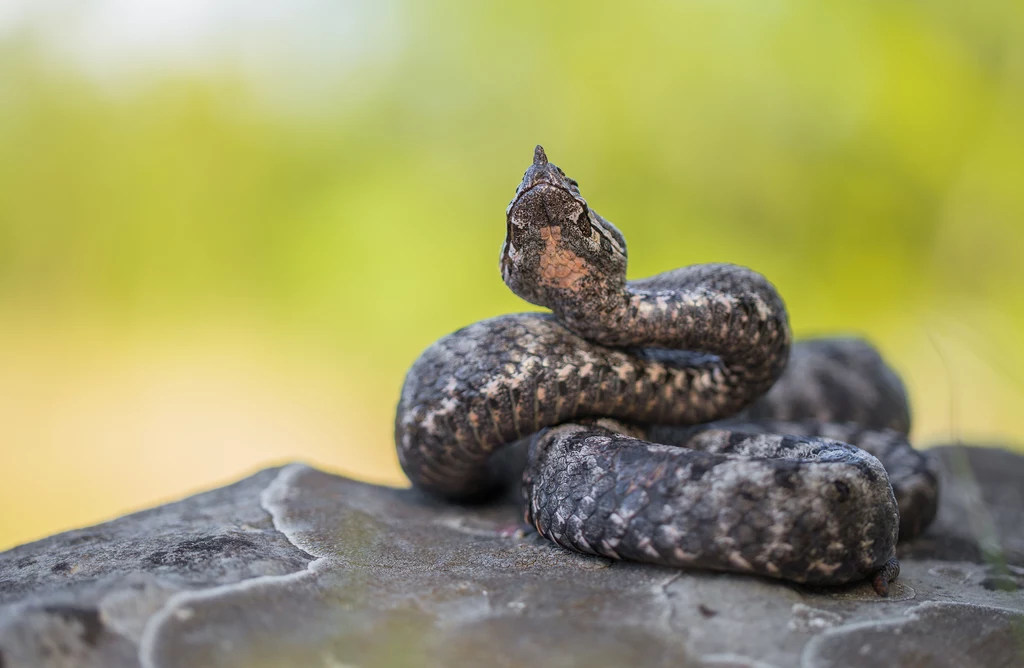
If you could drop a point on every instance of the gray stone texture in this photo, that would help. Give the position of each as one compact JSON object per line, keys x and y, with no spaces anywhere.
{"x":297,"y":567}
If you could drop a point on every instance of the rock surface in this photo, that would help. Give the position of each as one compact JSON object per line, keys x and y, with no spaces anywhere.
{"x":294,"y":566}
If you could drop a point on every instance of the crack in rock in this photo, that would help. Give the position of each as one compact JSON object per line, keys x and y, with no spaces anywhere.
{"x":180,"y":608}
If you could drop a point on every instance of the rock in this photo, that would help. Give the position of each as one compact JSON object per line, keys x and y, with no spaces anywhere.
{"x":295,"y":566}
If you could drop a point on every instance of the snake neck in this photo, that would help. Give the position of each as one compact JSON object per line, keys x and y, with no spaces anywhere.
{"x":724,"y":310}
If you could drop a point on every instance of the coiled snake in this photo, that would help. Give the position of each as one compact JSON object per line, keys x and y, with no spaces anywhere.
{"x":672,"y":421}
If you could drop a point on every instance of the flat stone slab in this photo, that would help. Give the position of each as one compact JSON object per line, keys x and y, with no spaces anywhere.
{"x":297,"y":567}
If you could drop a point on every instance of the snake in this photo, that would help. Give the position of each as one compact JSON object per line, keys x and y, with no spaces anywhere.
{"x":670,"y":420}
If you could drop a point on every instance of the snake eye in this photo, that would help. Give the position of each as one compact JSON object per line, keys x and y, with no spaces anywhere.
{"x":583,"y":222}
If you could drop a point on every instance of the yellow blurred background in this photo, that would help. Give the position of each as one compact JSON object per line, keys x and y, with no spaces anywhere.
{"x":227,"y":227}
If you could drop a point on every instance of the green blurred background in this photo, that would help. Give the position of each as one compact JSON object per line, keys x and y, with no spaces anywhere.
{"x":227,"y":227}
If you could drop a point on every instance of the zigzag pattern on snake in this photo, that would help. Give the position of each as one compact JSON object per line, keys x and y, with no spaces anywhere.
{"x":671,"y":419}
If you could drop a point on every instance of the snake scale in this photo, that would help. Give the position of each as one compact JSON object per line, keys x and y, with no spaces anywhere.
{"x":671,"y":419}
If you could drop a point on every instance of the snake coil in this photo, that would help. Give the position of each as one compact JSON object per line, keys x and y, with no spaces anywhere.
{"x":672,"y":420}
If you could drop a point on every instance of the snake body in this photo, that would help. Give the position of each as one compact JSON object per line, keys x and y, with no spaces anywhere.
{"x":671,"y":419}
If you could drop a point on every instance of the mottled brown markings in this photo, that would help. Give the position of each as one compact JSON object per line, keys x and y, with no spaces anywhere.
{"x":560,"y":267}
{"x":796,"y":507}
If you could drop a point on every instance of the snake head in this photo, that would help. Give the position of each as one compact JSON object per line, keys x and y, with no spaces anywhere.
{"x":559,"y":253}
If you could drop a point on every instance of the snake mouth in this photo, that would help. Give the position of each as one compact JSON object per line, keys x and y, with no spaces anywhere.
{"x":545,"y":183}
{"x":543,"y":189}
